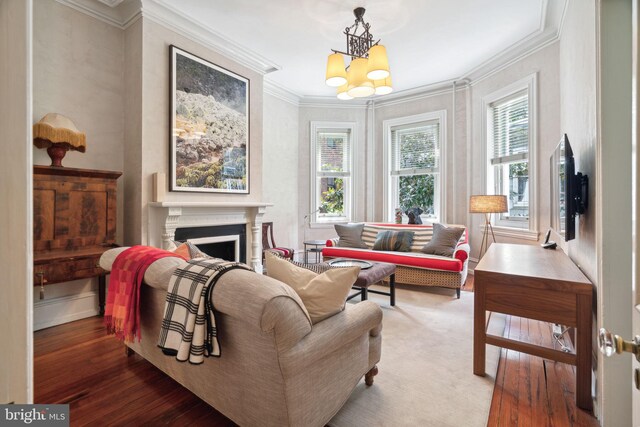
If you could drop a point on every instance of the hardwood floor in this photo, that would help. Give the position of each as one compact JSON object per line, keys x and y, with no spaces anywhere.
{"x":531,"y":391}
{"x":78,"y":364}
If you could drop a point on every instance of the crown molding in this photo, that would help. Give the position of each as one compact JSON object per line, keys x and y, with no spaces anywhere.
{"x":115,"y":13}
{"x":548,"y":32}
{"x":123,"y":13}
{"x":422,"y":92}
{"x":111,"y":3}
{"x":333,"y":102}
{"x":280,"y":92}
{"x":164,"y":13}
{"x":408,"y":95}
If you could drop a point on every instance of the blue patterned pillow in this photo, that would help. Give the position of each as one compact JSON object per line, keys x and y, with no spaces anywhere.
{"x":399,"y":241}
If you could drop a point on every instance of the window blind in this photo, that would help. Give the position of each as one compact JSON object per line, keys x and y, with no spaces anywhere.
{"x":510,"y":129}
{"x":333,"y":148}
{"x":415,"y":148}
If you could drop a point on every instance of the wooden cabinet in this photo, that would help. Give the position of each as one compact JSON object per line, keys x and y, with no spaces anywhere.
{"x":74,"y":222}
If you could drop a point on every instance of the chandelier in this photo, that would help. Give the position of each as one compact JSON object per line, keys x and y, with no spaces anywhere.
{"x":368,"y":73}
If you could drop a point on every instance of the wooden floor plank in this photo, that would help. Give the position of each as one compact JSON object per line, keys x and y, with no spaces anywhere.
{"x":496,"y":399}
{"x":544,"y":394}
{"x":525,"y":397}
{"x":512,"y":379}
{"x":90,"y":371}
{"x":540,"y":415}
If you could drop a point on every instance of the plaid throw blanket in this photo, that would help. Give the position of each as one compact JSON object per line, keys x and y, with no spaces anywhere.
{"x":122,"y":311}
{"x":188,"y":329}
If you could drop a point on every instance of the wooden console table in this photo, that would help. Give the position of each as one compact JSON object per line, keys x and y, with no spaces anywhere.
{"x":541,"y":284}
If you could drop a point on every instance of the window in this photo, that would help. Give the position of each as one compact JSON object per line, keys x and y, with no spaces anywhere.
{"x":331,"y":163}
{"x":414,"y":164}
{"x":510,"y":166}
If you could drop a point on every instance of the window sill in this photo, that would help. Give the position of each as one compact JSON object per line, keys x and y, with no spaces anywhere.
{"x":514,"y":233}
{"x":328,"y":224}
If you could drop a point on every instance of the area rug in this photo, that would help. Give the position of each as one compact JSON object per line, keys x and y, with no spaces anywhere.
{"x":426,"y":372}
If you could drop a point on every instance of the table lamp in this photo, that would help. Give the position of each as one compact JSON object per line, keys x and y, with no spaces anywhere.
{"x":487,"y":205}
{"x":58,"y":135}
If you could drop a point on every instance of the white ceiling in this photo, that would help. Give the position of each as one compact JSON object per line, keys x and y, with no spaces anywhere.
{"x":428,"y":41}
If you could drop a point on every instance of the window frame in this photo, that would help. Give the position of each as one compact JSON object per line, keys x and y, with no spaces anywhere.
{"x":391,"y":194}
{"x":348,"y":181}
{"x":513,"y":227}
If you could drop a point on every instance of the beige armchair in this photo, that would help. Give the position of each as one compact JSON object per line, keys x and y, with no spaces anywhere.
{"x":276,"y":369}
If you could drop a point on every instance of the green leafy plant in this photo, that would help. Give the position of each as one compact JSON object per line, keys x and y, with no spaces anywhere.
{"x":416,"y":191}
{"x":332,"y":200}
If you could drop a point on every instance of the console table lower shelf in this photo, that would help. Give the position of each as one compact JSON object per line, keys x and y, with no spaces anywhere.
{"x":535,"y":283}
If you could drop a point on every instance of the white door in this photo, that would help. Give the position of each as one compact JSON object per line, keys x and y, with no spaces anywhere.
{"x":609,"y":343}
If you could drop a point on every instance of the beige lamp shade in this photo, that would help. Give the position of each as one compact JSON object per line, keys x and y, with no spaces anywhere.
{"x":383,"y":86}
{"x":359,"y":85}
{"x":55,"y":128}
{"x":342,"y":93}
{"x":336,"y":75}
{"x":378,"y":64}
{"x":488,"y":204}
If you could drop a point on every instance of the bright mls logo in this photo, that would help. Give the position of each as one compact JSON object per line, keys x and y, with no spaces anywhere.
{"x":34,"y":415}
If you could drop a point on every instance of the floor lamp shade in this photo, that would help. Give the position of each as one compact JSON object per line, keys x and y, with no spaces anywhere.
{"x":488,"y":204}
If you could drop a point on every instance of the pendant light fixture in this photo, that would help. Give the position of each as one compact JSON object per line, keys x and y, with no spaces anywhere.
{"x":368,"y":73}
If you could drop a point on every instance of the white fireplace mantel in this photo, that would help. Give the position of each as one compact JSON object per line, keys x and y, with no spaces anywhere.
{"x":166,"y":217}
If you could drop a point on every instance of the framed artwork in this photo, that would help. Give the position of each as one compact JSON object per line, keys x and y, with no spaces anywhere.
{"x":209,"y":126}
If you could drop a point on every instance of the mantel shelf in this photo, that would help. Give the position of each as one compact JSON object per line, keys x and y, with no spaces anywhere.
{"x":210,"y":204}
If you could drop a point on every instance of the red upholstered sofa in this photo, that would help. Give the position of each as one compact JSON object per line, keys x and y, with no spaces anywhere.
{"x":414,"y":267}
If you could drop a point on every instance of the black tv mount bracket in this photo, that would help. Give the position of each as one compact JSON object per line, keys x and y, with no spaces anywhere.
{"x":582,"y":193}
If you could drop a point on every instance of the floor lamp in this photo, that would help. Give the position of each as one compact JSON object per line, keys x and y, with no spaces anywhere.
{"x":487,"y":205}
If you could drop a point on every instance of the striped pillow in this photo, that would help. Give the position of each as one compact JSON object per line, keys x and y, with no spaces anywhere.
{"x":399,"y":241}
{"x":317,"y":268}
{"x":421,"y":235}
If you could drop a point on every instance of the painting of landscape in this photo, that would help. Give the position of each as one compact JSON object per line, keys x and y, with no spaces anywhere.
{"x":210,"y":127}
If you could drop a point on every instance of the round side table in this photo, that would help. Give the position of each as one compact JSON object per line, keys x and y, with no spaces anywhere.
{"x":313,"y":246}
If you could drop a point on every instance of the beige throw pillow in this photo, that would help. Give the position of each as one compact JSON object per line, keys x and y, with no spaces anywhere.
{"x":323,"y":294}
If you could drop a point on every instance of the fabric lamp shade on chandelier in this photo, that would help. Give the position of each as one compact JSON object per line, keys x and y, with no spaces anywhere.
{"x":368,"y":74}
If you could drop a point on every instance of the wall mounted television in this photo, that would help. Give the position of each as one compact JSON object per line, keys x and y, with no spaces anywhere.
{"x":569,"y":191}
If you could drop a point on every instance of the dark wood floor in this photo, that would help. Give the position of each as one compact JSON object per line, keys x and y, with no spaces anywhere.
{"x":78,"y":364}
{"x":531,"y":391}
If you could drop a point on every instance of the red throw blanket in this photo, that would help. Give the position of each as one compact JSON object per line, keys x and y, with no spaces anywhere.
{"x":122,"y":311}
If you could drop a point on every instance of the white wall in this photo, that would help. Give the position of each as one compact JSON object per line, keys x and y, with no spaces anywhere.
{"x":545,"y":63}
{"x":78,"y":72}
{"x":156,"y":40}
{"x":578,"y":95}
{"x":464,"y":147}
{"x":83,"y":69}
{"x":455,"y":176}
{"x":357,"y":115}
{"x":16,"y":254}
{"x":280,"y":171}
{"x":132,"y":177}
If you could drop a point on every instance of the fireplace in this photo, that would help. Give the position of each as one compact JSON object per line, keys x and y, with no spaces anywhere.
{"x":228,"y":242}
{"x":167,"y":219}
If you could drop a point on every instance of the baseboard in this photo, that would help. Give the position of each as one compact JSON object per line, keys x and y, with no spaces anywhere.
{"x":56,"y":311}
